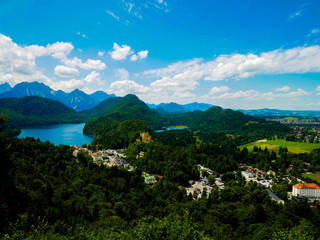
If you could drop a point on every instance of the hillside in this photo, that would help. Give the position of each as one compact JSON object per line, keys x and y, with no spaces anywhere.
{"x":124,"y":108}
{"x":115,"y":134}
{"x":30,"y":111}
{"x":207,"y":124}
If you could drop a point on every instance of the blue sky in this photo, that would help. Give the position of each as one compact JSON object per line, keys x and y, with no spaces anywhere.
{"x":235,"y":54}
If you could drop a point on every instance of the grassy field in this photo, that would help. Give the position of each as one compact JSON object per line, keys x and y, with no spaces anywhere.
{"x":293,"y":147}
{"x":314,"y":176}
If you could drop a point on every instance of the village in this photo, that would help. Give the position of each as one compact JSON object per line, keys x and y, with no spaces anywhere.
{"x":208,"y":179}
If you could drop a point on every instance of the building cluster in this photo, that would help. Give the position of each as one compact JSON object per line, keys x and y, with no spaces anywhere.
{"x":257,"y":175}
{"x":109,"y":157}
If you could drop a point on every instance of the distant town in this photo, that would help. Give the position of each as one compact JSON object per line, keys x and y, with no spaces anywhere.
{"x":209,"y":179}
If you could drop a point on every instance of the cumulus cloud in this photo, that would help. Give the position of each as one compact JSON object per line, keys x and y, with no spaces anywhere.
{"x":216,"y":90}
{"x":318,"y":89}
{"x":120,"y":52}
{"x":67,"y":86}
{"x":283,"y":89}
{"x":87,"y":65}
{"x":100,"y":53}
{"x":17,"y":64}
{"x":185,"y":81}
{"x":61,"y":50}
{"x":63,"y":71}
{"x":124,"y":51}
{"x":140,"y":55}
{"x":92,"y":78}
{"x":237,"y":66}
{"x":123,"y":87}
{"x":122,"y":74}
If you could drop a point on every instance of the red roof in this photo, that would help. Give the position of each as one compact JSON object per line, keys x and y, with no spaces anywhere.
{"x":306,"y":185}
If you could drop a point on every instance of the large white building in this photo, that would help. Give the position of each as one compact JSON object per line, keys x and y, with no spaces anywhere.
{"x":306,"y":190}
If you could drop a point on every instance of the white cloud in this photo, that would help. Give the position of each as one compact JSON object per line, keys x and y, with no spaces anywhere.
{"x":283,"y":89}
{"x":120,"y":52}
{"x":122,"y":74}
{"x":92,"y":79}
{"x":58,"y":50}
{"x":298,"y":93}
{"x":134,"y":57}
{"x":67,"y":86}
{"x":113,"y":15}
{"x":64,"y":71}
{"x":237,"y":66}
{"x":256,"y":95}
{"x":174,"y":68}
{"x":17,"y":64}
{"x":185,"y":81}
{"x":313,"y":32}
{"x":140,"y":55}
{"x":124,"y":87}
{"x":100,"y":53}
{"x":216,"y":90}
{"x":93,"y":64}
{"x":123,"y":51}
{"x":61,"y":50}
{"x":318,"y":89}
{"x":87,"y":65}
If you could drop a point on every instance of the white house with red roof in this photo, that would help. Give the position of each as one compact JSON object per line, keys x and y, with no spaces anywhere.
{"x":306,"y":190}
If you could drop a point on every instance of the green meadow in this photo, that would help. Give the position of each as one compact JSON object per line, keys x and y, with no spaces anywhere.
{"x":314,"y":176}
{"x":293,"y":147}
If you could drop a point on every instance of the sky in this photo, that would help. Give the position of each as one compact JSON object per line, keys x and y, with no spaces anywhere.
{"x":236,"y":54}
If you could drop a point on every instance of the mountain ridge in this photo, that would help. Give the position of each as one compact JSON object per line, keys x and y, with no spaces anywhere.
{"x":77,"y":99}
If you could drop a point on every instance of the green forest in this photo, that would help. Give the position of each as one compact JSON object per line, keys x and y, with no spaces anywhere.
{"x":48,"y":193}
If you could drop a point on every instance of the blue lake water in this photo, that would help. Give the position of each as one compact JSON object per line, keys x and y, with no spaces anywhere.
{"x":170,"y":128}
{"x":69,"y":134}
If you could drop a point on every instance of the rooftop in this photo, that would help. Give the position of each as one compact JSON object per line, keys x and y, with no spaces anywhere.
{"x":306,"y":185}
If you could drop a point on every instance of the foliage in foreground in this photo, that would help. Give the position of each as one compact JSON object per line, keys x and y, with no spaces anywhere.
{"x":46,"y":193}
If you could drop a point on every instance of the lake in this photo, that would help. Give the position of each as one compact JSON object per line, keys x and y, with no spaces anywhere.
{"x":172,"y":128}
{"x":68,"y":134}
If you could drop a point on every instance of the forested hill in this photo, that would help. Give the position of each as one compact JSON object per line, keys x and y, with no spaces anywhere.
{"x":208,"y":124}
{"x":125,"y":108}
{"x":30,"y":111}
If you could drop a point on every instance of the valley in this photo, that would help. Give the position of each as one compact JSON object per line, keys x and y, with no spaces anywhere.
{"x":208,"y":164}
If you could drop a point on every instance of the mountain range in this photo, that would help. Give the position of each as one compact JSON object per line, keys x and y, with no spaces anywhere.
{"x":76,"y":99}
{"x":174,"y":108}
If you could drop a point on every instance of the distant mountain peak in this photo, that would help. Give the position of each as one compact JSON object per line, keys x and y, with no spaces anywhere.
{"x":77,"y":99}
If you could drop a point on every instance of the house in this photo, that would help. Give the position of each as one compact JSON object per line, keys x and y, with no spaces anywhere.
{"x":247,"y":174}
{"x":306,"y":190}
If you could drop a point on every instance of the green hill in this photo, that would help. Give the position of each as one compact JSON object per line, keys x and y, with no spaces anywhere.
{"x":125,"y":108}
{"x":31,"y":111}
{"x":208,"y":124}
{"x":115,"y":134}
